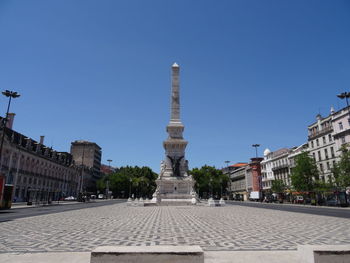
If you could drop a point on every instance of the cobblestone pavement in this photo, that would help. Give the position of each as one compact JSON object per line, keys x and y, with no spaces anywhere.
{"x":213,"y":228}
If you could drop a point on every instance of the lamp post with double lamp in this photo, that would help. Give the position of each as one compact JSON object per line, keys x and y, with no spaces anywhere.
{"x":81,"y":197}
{"x":346,"y":96}
{"x":130,"y":181}
{"x":229,"y":179}
{"x":259,"y":177}
{"x":256,"y":149}
{"x":6,"y":188}
{"x":107,"y":183}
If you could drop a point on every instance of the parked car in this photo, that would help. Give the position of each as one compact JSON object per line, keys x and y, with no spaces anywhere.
{"x":332,"y":202}
{"x":70,"y":198}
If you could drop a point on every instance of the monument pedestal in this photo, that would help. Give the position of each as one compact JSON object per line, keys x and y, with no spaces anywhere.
{"x":175,"y":191}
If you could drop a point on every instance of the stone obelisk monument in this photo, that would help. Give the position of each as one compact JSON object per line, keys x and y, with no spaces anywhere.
{"x":174,"y":184}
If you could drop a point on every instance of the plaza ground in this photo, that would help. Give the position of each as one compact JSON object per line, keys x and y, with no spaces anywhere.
{"x":230,"y":229}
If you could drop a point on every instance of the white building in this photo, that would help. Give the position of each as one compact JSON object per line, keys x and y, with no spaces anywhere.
{"x":341,"y":129}
{"x":275,"y":166}
{"x":280,"y":165}
{"x":321,"y":144}
{"x":266,"y":170}
{"x":294,"y":153}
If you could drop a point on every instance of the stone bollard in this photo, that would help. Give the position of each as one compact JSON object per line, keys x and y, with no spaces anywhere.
{"x":222,"y":202}
{"x":147,"y":254}
{"x":211,"y":202}
{"x":324,"y":253}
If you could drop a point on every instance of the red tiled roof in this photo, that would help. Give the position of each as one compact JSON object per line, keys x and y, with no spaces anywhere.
{"x":239,"y":165}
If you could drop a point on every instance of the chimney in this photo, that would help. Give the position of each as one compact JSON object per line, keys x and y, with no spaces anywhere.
{"x":10,"y":119}
{"x":42,"y":139}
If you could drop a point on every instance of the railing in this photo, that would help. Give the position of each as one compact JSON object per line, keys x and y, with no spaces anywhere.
{"x":281,"y":166}
{"x":321,"y":132}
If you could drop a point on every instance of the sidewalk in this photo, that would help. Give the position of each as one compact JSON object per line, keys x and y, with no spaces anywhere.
{"x":275,"y":256}
{"x":289,"y":204}
{"x":24,"y":204}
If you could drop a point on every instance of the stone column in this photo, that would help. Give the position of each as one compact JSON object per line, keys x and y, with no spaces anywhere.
{"x":175,"y":93}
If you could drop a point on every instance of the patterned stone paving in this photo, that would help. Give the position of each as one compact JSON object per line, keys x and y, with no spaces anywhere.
{"x":213,"y":228}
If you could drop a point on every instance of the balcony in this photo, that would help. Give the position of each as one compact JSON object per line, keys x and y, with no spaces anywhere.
{"x":321,"y":132}
{"x":281,"y":166}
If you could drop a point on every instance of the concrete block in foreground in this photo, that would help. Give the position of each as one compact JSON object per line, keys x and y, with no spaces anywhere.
{"x":147,"y":254}
{"x":324,"y":253}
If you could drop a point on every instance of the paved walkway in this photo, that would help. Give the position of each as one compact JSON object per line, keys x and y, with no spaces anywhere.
{"x":209,"y":257}
{"x":212,"y":228}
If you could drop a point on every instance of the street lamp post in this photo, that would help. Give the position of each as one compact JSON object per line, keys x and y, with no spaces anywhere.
{"x":10,"y":95}
{"x":81,"y":176}
{"x":211,"y":187}
{"x":7,"y":204}
{"x":220,"y":187}
{"x":107,"y":183}
{"x":256,"y":149}
{"x":346,"y":96}
{"x":130,"y":180}
{"x":229,"y":177}
{"x":109,"y":164}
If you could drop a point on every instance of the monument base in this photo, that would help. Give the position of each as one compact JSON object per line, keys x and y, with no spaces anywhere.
{"x":175,"y":191}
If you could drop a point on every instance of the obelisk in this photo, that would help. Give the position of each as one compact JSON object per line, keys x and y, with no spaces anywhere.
{"x":174,"y":184}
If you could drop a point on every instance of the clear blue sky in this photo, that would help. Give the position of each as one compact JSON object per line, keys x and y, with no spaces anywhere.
{"x":251,"y":72}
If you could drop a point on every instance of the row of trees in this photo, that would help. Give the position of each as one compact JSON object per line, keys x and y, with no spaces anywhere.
{"x":129,"y":180}
{"x":140,"y":181}
{"x":209,"y":181}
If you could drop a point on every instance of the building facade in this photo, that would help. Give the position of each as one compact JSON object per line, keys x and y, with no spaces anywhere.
{"x":87,"y":156}
{"x":238,"y":185}
{"x":341,"y":130}
{"x":280,"y":166}
{"x":322,"y":146}
{"x":266,"y":170}
{"x":36,"y":172}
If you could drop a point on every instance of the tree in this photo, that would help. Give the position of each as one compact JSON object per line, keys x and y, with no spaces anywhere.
{"x":209,"y":180}
{"x":139,"y":180}
{"x":305,"y":173}
{"x":341,"y":170}
{"x":278,"y":186}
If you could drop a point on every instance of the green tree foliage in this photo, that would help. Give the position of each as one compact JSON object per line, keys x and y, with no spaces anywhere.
{"x":341,"y":170}
{"x":208,"y":180}
{"x":278,"y":186}
{"x":139,"y":180}
{"x":305,"y":174}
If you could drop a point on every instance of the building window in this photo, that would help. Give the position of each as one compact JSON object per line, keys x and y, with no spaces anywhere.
{"x":326,"y":153}
{"x":330,"y":137}
{"x":324,"y":139}
{"x":340,"y":125}
{"x":313,"y":155}
{"x":343,"y":139}
{"x":312,"y":144}
{"x":317,"y":142}
{"x":321,"y":167}
{"x":319,"y":156}
{"x":332,"y":152}
{"x":328,"y":166}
